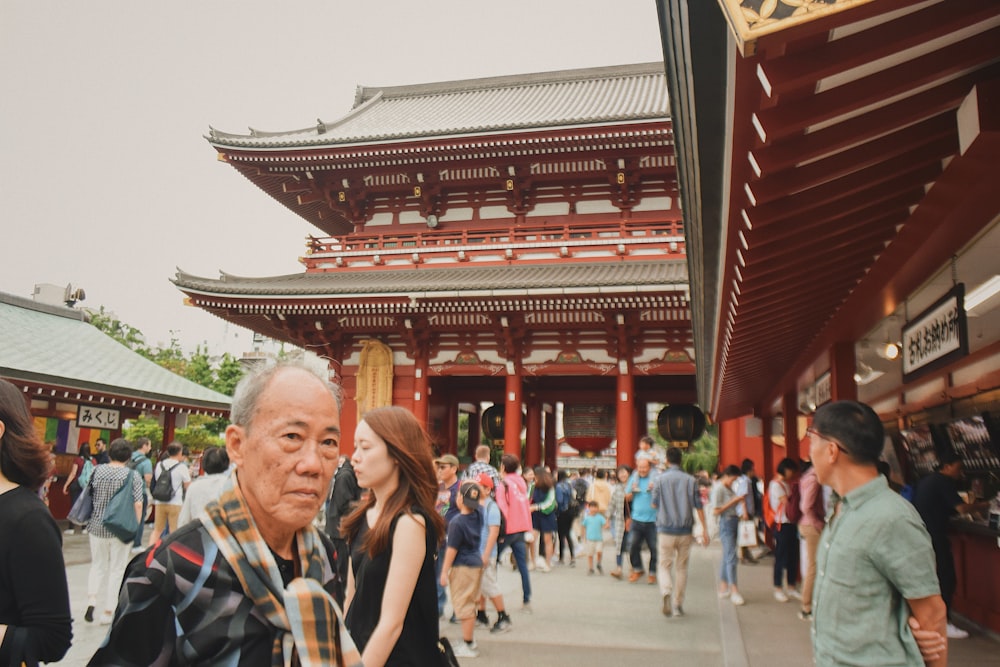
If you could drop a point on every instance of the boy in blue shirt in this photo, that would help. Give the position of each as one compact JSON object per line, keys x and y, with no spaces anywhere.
{"x":593,"y":524}
{"x":462,"y":568}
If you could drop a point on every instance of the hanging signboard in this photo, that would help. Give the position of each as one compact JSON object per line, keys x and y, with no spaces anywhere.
{"x":91,"y":416}
{"x":824,"y":389}
{"x":936,"y":337}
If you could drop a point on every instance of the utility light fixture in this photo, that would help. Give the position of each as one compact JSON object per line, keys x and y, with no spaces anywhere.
{"x":982,"y":299}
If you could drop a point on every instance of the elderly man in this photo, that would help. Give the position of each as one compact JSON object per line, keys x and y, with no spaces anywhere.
{"x":638,"y":491}
{"x":252,"y":582}
{"x":875,"y":565}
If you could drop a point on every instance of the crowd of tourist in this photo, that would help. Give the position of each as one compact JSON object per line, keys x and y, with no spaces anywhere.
{"x":409,"y":537}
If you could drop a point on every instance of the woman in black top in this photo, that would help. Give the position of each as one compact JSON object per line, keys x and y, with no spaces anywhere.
{"x":35,"y":623}
{"x":393,"y":533}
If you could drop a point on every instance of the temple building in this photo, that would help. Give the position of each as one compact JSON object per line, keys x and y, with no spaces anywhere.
{"x":514,"y":240}
{"x":838,"y":164}
{"x":80,"y":384}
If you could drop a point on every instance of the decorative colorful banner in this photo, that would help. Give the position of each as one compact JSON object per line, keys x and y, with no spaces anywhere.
{"x":65,"y":434}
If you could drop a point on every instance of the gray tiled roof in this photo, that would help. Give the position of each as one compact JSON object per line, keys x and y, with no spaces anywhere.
{"x":548,"y":99}
{"x":456,"y":281}
{"x":53,"y":345}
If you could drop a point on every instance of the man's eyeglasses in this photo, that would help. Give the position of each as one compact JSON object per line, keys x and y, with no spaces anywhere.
{"x":813,"y":432}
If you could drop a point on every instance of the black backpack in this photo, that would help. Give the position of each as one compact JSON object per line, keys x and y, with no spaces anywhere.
{"x":163,"y":485}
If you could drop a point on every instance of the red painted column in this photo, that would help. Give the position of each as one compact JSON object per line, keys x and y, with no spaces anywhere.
{"x":169,"y":427}
{"x":451,"y":429}
{"x":421,"y":401}
{"x":842,"y":369}
{"x":475,"y":429}
{"x":551,"y":443}
{"x":772,"y":453}
{"x":533,"y":434}
{"x":512,"y":416}
{"x":790,"y":409}
{"x":625,"y":420}
{"x":729,"y":443}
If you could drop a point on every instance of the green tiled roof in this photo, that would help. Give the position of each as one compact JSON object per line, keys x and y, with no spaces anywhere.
{"x":54,"y":345}
{"x":546,"y":99}
{"x":461,"y":280}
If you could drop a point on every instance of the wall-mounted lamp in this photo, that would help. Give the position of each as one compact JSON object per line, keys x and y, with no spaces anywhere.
{"x":890,"y":351}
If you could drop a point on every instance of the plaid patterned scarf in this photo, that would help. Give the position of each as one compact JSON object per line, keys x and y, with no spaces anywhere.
{"x":310,"y":624}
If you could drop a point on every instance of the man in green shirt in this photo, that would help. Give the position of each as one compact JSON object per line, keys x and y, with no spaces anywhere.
{"x":875,"y":564}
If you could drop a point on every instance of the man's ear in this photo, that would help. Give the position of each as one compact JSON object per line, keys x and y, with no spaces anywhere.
{"x":235,"y":444}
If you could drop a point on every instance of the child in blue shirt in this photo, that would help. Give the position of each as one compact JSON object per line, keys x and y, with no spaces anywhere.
{"x":593,"y":525}
{"x":462,"y":568}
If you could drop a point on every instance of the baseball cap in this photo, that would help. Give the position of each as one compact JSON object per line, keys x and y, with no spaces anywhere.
{"x":471,"y":493}
{"x":449,"y":459}
{"x":484,"y":480}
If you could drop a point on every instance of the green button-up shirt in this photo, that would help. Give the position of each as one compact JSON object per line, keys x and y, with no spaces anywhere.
{"x":873,"y":556}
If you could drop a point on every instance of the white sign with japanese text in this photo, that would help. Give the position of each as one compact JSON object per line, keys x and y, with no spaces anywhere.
{"x":91,"y":416}
{"x":937,"y":335}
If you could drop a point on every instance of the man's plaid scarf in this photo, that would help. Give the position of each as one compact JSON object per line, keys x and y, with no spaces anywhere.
{"x":310,"y":624}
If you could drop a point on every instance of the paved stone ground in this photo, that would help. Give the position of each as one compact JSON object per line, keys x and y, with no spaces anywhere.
{"x":596,"y":621}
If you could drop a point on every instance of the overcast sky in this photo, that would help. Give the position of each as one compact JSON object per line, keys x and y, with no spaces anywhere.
{"x":107,"y":182}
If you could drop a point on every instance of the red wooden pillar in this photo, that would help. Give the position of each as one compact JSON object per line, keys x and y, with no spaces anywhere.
{"x":421,"y":401}
{"x":451,"y":429}
{"x":842,"y":369}
{"x":512,"y":416}
{"x":730,"y":451}
{"x":766,"y":426}
{"x":169,"y":428}
{"x":625,"y":420}
{"x":533,"y":434}
{"x":790,"y":409}
{"x":551,"y":443}
{"x":475,"y":429}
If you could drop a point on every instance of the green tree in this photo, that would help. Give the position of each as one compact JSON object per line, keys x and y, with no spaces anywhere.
{"x":228,"y":374}
{"x":124,"y":333}
{"x":144,"y":427}
{"x":198,"y":434}
{"x":171,"y":357}
{"x":703,"y":454}
{"x":199,"y":368}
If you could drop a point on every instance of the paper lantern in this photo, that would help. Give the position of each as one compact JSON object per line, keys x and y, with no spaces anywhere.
{"x":681,"y":423}
{"x":493,"y":421}
{"x":589,"y":428}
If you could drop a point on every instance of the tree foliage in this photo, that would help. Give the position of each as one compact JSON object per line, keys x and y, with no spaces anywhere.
{"x":144,"y":426}
{"x":702,"y":454}
{"x":220,"y":374}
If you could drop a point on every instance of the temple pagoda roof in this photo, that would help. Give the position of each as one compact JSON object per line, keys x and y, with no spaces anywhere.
{"x":464,"y":281}
{"x":473,"y":106}
{"x":53,"y":351}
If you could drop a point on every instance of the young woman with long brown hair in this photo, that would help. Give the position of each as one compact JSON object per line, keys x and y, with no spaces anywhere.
{"x":35,"y":623}
{"x":394,"y":534}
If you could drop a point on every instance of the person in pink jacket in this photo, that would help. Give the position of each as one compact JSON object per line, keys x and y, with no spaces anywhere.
{"x":512,"y":497}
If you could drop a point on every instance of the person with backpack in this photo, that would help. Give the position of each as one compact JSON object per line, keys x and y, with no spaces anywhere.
{"x":786,"y":534}
{"x":170,"y":478}
{"x":77,"y":480}
{"x":141,"y":464}
{"x":568,"y":508}
{"x":108,"y":553}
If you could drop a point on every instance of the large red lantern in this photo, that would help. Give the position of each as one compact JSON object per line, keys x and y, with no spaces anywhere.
{"x":589,"y":428}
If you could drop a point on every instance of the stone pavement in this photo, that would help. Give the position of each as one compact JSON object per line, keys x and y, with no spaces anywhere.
{"x":595,"y":621}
